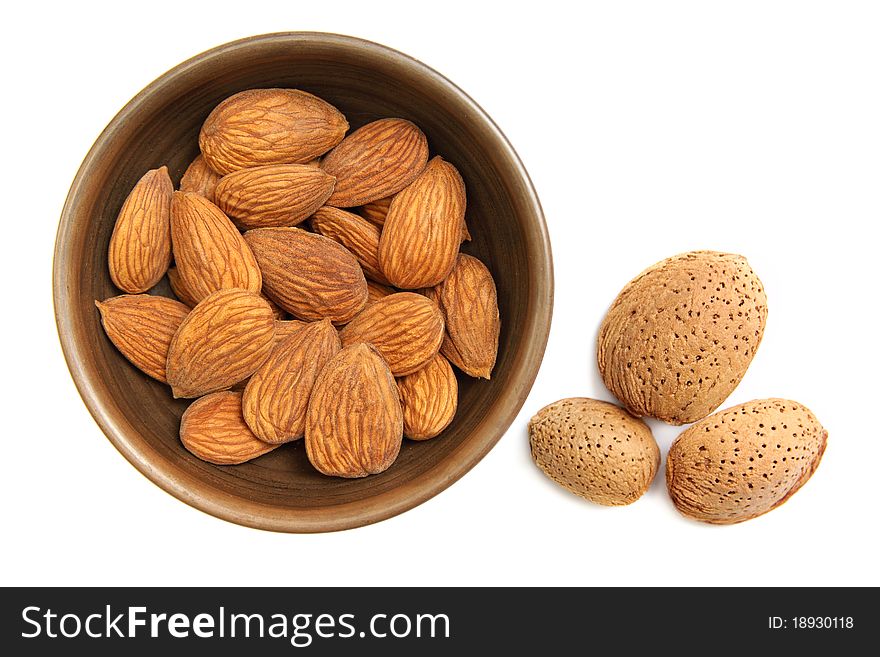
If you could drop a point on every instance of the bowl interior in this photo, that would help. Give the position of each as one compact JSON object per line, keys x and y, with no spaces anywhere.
{"x":281,"y":490}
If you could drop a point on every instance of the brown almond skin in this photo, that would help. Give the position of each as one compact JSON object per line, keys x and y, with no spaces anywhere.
{"x":286,"y":328}
{"x":141,"y":327}
{"x":469,"y":303}
{"x":140,"y":246}
{"x":680,"y":336}
{"x":209,"y":252}
{"x":429,"y":399}
{"x":222,"y":341}
{"x":277,"y":396}
{"x":200,"y":179}
{"x":354,"y":233}
{"x":213,"y":429}
{"x":744,"y":461}
{"x":309,"y":275}
{"x":594,"y":449}
{"x":424,"y":228}
{"x":354,"y":425}
{"x":375,"y":161}
{"x":376,"y":211}
{"x":375,"y":291}
{"x":273,"y":195}
{"x":269,"y":126}
{"x":405,"y":327}
{"x":178,"y":287}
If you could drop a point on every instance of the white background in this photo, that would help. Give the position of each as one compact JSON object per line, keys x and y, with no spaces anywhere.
{"x":649,"y":129}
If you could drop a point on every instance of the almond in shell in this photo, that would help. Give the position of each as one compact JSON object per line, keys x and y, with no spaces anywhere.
{"x":140,"y":246}
{"x":309,"y":275}
{"x":222,"y":341}
{"x":269,"y":126}
{"x":214,"y":430}
{"x":429,"y":399}
{"x":405,"y":327}
{"x":277,"y":396}
{"x":375,"y":161}
{"x":424,"y":228}
{"x":209,"y":252}
{"x":141,"y":326}
{"x":354,"y":233}
{"x":354,"y":425}
{"x":273,"y":195}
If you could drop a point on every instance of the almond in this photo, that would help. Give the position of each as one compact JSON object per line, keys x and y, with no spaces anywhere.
{"x":469,"y":303}
{"x":200,"y":179}
{"x":277,"y":396}
{"x":141,"y":327}
{"x":269,"y":126}
{"x":286,"y":328}
{"x":375,"y":161}
{"x":375,"y":211}
{"x":595,"y":450}
{"x":354,"y":425}
{"x":178,"y":287}
{"x":424,"y":228}
{"x":429,"y":399}
{"x":744,"y":461}
{"x":679,"y":337}
{"x":354,"y":233}
{"x":405,"y":327}
{"x":273,"y":195}
{"x":140,"y":246}
{"x":375,"y":291}
{"x":213,"y":429}
{"x":209,"y":251}
{"x":222,"y":341}
{"x":310,"y":276}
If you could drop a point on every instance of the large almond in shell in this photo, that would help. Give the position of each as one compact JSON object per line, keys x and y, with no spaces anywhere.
{"x":405,"y":327}
{"x":222,"y":341}
{"x":141,"y":327}
{"x":595,"y":450}
{"x":277,"y":396}
{"x":273,"y":195}
{"x":269,"y":126}
{"x":140,"y":246}
{"x":209,"y":252}
{"x":354,"y":233}
{"x":200,"y":179}
{"x":354,"y":425}
{"x":469,"y":302}
{"x":310,"y":276}
{"x":375,"y":161}
{"x":744,"y":461}
{"x":679,"y":337}
{"x":213,"y":429}
{"x":424,"y":228}
{"x":429,"y":399}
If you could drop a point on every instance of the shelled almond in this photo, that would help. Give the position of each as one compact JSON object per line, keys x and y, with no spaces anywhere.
{"x":355,"y":235}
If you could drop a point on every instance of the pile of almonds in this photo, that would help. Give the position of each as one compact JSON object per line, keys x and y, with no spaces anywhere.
{"x":380,"y":298}
{"x":673,"y":346}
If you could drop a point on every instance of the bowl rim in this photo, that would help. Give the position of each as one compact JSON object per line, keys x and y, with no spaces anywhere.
{"x":226,"y":506}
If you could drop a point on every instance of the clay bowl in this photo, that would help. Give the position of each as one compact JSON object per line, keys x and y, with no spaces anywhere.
{"x":281,"y":491}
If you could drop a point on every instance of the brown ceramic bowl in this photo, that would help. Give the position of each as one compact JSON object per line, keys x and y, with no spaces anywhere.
{"x":281,"y":491}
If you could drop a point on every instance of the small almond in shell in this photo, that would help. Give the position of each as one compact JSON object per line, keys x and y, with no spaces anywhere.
{"x":214,"y":430}
{"x":354,"y":425}
{"x":429,"y":399}
{"x":354,"y":233}
{"x":405,"y":327}
{"x":309,"y":275}
{"x":222,"y":341}
{"x":424,"y":228}
{"x":140,"y":246}
{"x":679,"y":337}
{"x":269,"y":126}
{"x":595,"y":450}
{"x":200,"y":179}
{"x":375,"y":161}
{"x":141,"y":326}
{"x":209,"y":252}
{"x":273,"y":195}
{"x":277,"y":396}
{"x":742,"y":462}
